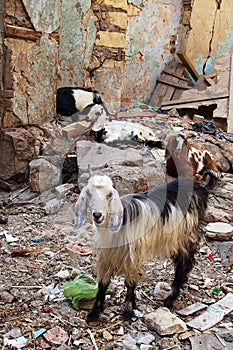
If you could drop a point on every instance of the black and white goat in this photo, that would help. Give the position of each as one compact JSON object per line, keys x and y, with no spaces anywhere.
{"x":162,"y":222}
{"x":71,"y":100}
{"x":78,"y":104}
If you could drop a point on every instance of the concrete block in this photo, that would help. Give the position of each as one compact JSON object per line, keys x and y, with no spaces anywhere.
{"x":164,"y":322}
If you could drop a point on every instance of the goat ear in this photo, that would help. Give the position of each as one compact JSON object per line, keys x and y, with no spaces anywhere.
{"x":80,"y":210}
{"x":116,"y":213}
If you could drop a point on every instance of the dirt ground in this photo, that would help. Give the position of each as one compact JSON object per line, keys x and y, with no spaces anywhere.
{"x":39,"y":252}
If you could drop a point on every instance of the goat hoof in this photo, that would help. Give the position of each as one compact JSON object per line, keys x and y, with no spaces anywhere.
{"x":92,"y":316}
{"x":168,"y":302}
{"x":127,"y":315}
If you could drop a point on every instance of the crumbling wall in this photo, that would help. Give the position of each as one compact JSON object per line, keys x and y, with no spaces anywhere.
{"x":30,"y":62}
{"x":117,"y":47}
{"x":210,"y":33}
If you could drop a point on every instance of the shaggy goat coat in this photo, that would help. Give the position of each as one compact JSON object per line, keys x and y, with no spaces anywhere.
{"x":162,"y":222}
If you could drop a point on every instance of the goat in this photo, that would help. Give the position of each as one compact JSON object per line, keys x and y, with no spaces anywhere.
{"x":71,"y":100}
{"x":188,"y":160}
{"x":131,"y":229}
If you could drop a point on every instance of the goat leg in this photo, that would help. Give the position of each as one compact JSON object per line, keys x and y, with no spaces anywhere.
{"x":183,"y":265}
{"x":98,"y":306}
{"x":130,"y":303}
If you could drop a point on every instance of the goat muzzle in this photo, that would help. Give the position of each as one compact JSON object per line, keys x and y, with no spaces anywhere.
{"x":98,"y":217}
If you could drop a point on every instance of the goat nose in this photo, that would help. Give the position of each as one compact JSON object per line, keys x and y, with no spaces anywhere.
{"x":97,"y":215}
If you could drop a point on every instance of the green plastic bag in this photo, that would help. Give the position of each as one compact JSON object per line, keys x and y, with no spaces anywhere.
{"x":83,"y":287}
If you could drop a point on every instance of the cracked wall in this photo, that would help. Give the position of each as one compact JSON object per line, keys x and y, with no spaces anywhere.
{"x":211,"y":33}
{"x":117,"y":47}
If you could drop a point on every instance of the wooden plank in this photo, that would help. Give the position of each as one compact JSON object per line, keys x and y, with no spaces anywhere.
{"x":26,"y":33}
{"x":188,"y":64}
{"x":177,"y":103}
{"x":176,"y":67}
{"x":177,"y":85}
{"x":175,"y":75}
{"x":230,"y":102}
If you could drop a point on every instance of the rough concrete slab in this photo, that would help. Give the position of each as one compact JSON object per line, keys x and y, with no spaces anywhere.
{"x":207,"y":341}
{"x":189,"y":310}
{"x":164,"y":322}
{"x":214,"y":314}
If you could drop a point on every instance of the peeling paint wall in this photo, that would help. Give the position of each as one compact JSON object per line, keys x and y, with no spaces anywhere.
{"x":151,"y":28}
{"x":211,"y":33}
{"x":117,"y":47}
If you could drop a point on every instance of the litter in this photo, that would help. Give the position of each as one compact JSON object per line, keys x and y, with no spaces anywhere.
{"x":82,"y":288}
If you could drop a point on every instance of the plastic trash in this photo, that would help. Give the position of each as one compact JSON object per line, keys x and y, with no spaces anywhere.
{"x":83,"y":287}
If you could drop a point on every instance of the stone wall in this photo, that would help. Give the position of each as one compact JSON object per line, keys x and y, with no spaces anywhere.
{"x":115,"y":47}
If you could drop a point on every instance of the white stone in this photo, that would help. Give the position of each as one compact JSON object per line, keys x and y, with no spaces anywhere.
{"x":63,"y":189}
{"x":164,"y":322}
{"x":214,"y":314}
{"x":221,"y":227}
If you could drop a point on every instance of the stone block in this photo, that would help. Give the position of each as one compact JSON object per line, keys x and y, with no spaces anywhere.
{"x":43,"y":175}
{"x":119,"y":19}
{"x":164,"y":322}
{"x":214,"y":314}
{"x":122,"y":4}
{"x":110,"y":39}
{"x":226,"y":253}
{"x":62,"y":190}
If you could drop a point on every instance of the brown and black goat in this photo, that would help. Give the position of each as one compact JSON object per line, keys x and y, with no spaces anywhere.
{"x":185,"y":159}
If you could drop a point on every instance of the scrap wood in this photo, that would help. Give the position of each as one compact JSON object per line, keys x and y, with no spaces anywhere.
{"x":200,"y":98}
{"x":171,"y":83}
{"x":25,"y":251}
{"x":92,"y":339}
{"x":188,"y":65}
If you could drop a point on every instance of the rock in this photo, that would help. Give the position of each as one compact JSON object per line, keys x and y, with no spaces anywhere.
{"x":145,"y":339}
{"x":53,"y":206}
{"x":189,"y":310}
{"x":162,"y":290}
{"x":63,"y":274}
{"x":132,"y":169}
{"x":129,"y":343}
{"x":220,"y":231}
{"x":107,"y":335}
{"x":164,"y":322}
{"x":43,"y":175}
{"x":221,"y":227}
{"x":62,"y":190}
{"x":206,"y":341}
{"x":214,"y":314}
{"x":7,"y":297}
{"x":226,"y":253}
{"x":20,"y":146}
{"x":146,"y":347}
{"x":169,"y":343}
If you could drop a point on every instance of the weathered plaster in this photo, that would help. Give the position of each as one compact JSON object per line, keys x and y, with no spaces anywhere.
{"x":44,"y":14}
{"x":72,"y":49}
{"x":147,"y":46}
{"x":211,"y":33}
{"x":34,"y":79}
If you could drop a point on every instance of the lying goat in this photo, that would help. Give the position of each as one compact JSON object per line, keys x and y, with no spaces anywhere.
{"x":188,"y":160}
{"x":161,"y":222}
{"x":71,"y":100}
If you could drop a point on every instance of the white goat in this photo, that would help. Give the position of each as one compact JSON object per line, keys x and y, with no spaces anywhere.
{"x":161,"y":222}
